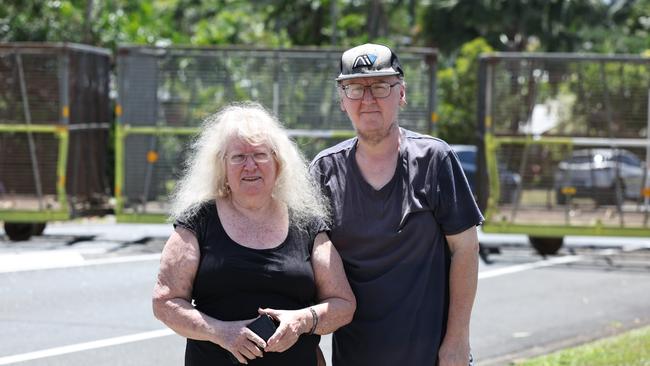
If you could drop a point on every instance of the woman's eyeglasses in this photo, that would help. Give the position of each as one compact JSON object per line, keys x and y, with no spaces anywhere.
{"x":378,"y":90}
{"x":258,"y":157}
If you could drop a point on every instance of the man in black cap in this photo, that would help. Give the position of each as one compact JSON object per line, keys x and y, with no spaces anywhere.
{"x":404,"y":221}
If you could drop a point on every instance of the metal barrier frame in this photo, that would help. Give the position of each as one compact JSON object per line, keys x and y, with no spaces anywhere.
{"x":488,"y":176}
{"x":493,"y":143}
{"x":61,"y":132}
{"x":122,"y":131}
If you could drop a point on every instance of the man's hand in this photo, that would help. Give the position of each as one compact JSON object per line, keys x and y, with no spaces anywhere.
{"x":453,"y":353}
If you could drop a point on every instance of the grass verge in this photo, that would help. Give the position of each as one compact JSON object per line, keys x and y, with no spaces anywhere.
{"x":628,"y":349}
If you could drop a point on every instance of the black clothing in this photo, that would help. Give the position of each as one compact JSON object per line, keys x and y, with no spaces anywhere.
{"x":233,"y":281}
{"x":392,"y":242}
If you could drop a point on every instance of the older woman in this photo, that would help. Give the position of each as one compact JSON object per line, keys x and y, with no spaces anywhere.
{"x":249,"y":239}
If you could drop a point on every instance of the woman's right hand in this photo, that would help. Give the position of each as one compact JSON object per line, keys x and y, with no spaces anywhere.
{"x":240,"y":341}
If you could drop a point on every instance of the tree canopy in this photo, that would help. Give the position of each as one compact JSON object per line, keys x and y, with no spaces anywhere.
{"x":513,"y":25}
{"x":460,"y":29}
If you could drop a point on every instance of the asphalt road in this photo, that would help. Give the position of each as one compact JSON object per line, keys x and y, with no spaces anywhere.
{"x":45,"y":309}
{"x":596,"y":293}
{"x":95,"y":308}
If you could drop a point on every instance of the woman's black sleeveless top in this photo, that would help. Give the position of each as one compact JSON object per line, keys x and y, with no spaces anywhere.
{"x":233,"y":281}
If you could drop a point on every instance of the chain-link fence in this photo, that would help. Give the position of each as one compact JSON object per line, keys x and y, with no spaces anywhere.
{"x":165,"y":93}
{"x":54,"y":122}
{"x":566,"y":143}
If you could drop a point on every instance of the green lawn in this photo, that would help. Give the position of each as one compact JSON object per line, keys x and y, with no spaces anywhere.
{"x":628,"y":349}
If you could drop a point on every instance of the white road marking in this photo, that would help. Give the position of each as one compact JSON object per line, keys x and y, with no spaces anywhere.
{"x":38,"y":260}
{"x":528,"y":266}
{"x":127,"y":259}
{"x":84,"y":346}
{"x":33,"y":261}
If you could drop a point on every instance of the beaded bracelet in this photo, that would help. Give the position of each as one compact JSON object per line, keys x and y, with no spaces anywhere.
{"x":314,"y":321}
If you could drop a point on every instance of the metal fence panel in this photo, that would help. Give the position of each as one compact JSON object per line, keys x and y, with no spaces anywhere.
{"x":49,"y":94}
{"x":173,"y":89}
{"x":567,"y":144}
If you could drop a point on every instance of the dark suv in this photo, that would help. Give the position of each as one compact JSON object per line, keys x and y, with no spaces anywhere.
{"x":509,"y":181}
{"x":598,"y":174}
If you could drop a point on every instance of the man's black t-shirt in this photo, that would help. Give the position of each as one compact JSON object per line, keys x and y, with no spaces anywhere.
{"x":392,"y":242}
{"x":233,"y":281}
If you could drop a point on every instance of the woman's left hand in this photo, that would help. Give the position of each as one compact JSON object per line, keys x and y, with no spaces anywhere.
{"x":293,"y":323}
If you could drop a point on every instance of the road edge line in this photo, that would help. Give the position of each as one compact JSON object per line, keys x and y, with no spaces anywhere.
{"x":528,"y":266}
{"x":102,"y":343}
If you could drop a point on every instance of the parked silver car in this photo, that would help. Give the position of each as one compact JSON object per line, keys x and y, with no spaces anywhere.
{"x":606,"y":175}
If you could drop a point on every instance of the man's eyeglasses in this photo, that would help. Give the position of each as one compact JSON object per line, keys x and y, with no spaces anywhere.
{"x":378,"y":90}
{"x":258,"y":157}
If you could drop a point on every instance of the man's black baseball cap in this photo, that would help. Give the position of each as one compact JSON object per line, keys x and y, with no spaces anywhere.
{"x":369,"y":60}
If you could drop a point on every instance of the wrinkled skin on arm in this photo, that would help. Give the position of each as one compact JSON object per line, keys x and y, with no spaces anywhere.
{"x":172,"y":302}
{"x":463,"y":279}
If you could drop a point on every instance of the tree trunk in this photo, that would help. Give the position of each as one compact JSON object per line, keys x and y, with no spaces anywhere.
{"x":88,"y":21}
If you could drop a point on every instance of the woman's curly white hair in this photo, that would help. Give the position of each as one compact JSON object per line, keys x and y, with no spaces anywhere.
{"x":204,"y":177}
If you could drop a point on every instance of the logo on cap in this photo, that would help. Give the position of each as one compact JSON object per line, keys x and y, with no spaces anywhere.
{"x":364,"y":61}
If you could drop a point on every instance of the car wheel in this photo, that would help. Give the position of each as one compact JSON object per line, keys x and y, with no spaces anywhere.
{"x":608,"y":196}
{"x":39,"y":227}
{"x":19,"y":231}
{"x":546,"y":246}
